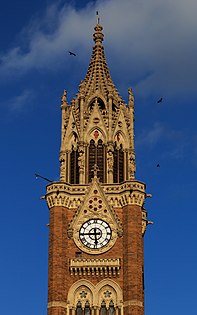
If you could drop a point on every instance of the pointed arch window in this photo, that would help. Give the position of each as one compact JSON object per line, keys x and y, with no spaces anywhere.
{"x":100,"y":160}
{"x":97,"y":157}
{"x":111,"y":310}
{"x":118,"y":168}
{"x":79,"y":310}
{"x":103,"y":309}
{"x":87,"y":310}
{"x":92,"y":154}
{"x":74,"y":167}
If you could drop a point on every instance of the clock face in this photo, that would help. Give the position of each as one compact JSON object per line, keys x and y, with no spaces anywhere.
{"x":95,"y":233}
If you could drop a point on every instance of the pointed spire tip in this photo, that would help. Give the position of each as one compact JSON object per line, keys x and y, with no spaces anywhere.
{"x":98,"y":19}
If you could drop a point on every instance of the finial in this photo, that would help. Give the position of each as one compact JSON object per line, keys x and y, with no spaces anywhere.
{"x":97,"y":20}
{"x":63,"y":98}
{"x":131,"y":97}
{"x":98,"y":35}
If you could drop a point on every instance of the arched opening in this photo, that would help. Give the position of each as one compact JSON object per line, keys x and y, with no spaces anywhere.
{"x":103,"y":299}
{"x":79,"y":310}
{"x":103,"y":309}
{"x":101,"y":104}
{"x":96,"y":157}
{"x":118,"y":167}
{"x":74,"y":167}
{"x":111,"y":310}
{"x":87,"y":309}
{"x":97,"y":101}
{"x":92,"y":154}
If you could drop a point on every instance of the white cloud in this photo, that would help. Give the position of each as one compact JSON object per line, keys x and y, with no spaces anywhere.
{"x":18,"y":103}
{"x":152,"y":136}
{"x":151,"y":43}
{"x":171,"y":143}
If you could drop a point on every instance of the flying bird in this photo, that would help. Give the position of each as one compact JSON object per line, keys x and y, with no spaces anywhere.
{"x":72,"y":54}
{"x":160,"y":100}
{"x":158,"y":165}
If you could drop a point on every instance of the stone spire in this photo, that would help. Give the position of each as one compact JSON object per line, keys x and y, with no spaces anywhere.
{"x":98,"y":117}
{"x":98,"y":78}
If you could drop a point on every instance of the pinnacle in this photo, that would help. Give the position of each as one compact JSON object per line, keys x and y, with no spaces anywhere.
{"x":98,"y":78}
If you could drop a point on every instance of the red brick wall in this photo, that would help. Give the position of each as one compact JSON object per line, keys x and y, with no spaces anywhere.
{"x":128,"y":248}
{"x":132,"y":259}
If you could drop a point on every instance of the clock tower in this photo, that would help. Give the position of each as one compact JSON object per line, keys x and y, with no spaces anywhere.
{"x":97,"y":215}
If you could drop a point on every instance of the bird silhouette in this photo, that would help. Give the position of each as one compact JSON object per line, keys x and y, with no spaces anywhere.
{"x":160,"y":100}
{"x":72,"y":54}
{"x":158,"y":165}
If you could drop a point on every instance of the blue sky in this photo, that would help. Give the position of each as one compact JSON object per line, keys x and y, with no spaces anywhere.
{"x":151,"y":47}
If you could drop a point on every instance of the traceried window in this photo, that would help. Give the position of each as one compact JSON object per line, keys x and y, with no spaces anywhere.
{"x":79,"y":310}
{"x":118,"y":168}
{"x":103,"y":309}
{"x":74,"y":167}
{"x":111,"y":310}
{"x":96,"y":157}
{"x":87,"y":310}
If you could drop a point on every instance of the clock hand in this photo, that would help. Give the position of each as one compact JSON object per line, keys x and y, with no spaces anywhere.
{"x":95,"y":235}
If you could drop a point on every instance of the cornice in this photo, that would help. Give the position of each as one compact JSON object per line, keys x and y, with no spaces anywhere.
{"x":95,"y":267}
{"x":118,"y":195}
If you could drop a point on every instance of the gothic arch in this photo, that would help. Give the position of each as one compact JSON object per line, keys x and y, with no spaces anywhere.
{"x":83,"y":291}
{"x":120,"y":138}
{"x":73,"y":158}
{"x":115,"y":106}
{"x":113,"y":288}
{"x":119,"y":158}
{"x":77,"y":288}
{"x":101,"y":102}
{"x":90,"y":135}
{"x":72,"y":140}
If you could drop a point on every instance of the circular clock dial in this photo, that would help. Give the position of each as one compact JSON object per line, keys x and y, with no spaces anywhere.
{"x":95,"y":233}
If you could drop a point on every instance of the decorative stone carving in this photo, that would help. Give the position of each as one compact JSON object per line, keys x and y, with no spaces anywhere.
{"x":64,"y":98}
{"x":95,"y":267}
{"x":81,"y":161}
{"x":62,"y":166}
{"x":95,"y":294}
{"x":95,"y":206}
{"x":110,"y":161}
{"x":131,"y":165}
{"x":72,"y":197}
{"x":131,"y":97}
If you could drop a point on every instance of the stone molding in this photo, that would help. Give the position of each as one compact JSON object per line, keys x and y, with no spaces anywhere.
{"x":133,"y":303}
{"x":95,"y":267}
{"x":71,"y":196}
{"x":57,"y":304}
